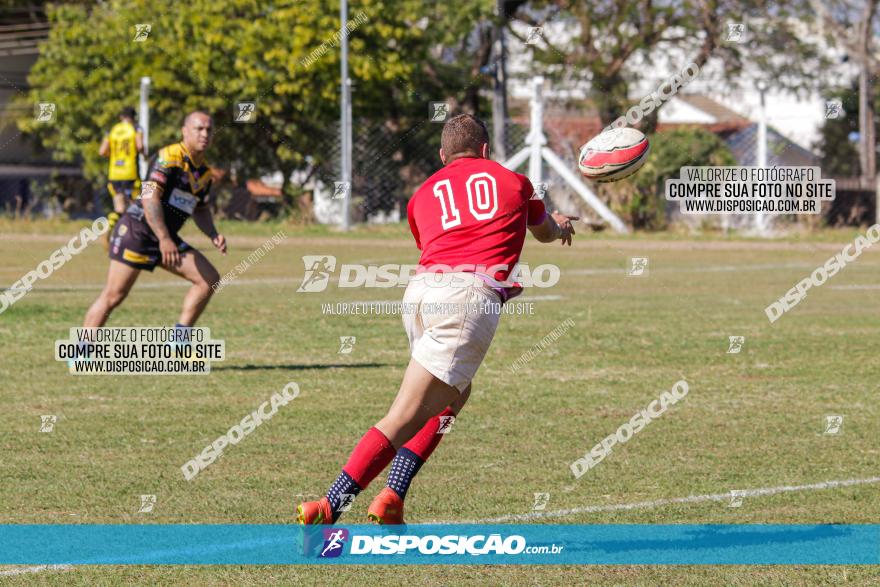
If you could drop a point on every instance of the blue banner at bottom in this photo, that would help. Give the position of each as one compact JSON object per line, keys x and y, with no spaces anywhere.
{"x":242,"y":544}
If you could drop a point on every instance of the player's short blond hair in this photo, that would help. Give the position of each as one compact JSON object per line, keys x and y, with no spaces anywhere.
{"x":463,"y":135}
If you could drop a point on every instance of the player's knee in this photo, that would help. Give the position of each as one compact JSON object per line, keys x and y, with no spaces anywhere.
{"x":210,"y":279}
{"x":206,"y":280}
{"x":458,"y":404}
{"x":114,"y":297}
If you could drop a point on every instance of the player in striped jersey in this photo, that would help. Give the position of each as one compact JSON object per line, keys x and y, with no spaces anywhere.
{"x":177,"y":187}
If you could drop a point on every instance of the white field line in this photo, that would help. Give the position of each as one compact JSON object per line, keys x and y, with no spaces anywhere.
{"x":857,"y":286}
{"x":674,"y":500}
{"x":704,"y":269}
{"x":36,"y":569}
{"x":298,"y":278}
{"x":163,"y":284}
{"x":513,"y":301}
{"x":588,"y":509}
{"x":273,"y":281}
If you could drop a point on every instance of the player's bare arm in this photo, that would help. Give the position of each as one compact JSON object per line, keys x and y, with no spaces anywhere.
{"x":556,"y":226}
{"x":205,"y":221}
{"x":151,"y":195}
{"x":139,"y":141}
{"x":104,"y":149}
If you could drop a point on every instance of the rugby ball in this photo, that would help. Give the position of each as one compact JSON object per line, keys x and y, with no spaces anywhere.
{"x":613,"y":154}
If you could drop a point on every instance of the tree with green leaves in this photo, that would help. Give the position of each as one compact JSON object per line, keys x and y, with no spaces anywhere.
{"x":613,"y":45}
{"x":851,"y":24}
{"x":612,"y":36}
{"x":638,"y":198}
{"x":211,"y":55}
{"x":839,"y":155}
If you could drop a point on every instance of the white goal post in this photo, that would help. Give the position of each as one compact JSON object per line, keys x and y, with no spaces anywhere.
{"x":536,"y":151}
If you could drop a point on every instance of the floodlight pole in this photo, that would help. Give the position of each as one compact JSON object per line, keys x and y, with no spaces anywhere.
{"x":760,"y":220}
{"x":345,"y":115}
{"x":144,"y":123}
{"x":537,"y":152}
{"x":499,"y":84}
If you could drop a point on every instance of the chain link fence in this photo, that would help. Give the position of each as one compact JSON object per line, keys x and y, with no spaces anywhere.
{"x":388,"y":166}
{"x":32,"y":185}
{"x":40,"y":193}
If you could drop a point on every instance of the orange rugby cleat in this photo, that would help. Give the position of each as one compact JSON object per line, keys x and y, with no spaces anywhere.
{"x":314,"y":512}
{"x":387,"y":508}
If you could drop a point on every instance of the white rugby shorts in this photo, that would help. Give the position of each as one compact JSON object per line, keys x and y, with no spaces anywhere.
{"x":450,"y":320}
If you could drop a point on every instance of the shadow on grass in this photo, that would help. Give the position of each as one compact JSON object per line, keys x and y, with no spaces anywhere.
{"x":300,"y":367}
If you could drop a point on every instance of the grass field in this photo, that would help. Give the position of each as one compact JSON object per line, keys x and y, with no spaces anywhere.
{"x":751,"y":420}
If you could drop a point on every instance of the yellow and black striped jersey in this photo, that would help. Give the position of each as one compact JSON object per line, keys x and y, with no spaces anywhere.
{"x":123,"y":152}
{"x":185,"y":184}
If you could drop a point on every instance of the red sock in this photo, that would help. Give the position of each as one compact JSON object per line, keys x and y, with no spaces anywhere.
{"x":369,"y":457}
{"x":427,"y":439}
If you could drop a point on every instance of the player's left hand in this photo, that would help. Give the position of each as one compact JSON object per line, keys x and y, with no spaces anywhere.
{"x":565,"y":226}
{"x":220,"y":242}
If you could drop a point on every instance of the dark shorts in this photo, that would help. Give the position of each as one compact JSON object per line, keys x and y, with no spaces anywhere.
{"x":133,"y":243}
{"x":129,"y":189}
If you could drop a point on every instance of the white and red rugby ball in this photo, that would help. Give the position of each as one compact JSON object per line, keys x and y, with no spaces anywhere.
{"x":613,"y":154}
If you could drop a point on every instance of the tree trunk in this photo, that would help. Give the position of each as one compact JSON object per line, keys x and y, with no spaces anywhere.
{"x":286,"y":197}
{"x":867,"y":144}
{"x":867,"y":153}
{"x":499,"y":96}
{"x":610,"y":94}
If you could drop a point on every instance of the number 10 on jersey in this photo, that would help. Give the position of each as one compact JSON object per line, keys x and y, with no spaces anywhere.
{"x":482,"y":195}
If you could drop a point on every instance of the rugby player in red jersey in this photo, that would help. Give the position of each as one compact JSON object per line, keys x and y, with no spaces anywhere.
{"x":177,"y":187}
{"x":469,"y":220}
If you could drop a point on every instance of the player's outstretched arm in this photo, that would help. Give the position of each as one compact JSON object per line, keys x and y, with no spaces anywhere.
{"x":556,"y":226}
{"x":205,"y":221}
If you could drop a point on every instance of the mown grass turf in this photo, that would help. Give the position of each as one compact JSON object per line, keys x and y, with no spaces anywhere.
{"x":753,"y":419}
